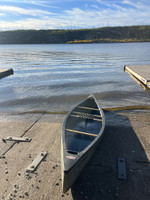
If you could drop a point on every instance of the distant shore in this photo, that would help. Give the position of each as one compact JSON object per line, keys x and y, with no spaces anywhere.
{"x":62,"y":36}
{"x":106,"y":41}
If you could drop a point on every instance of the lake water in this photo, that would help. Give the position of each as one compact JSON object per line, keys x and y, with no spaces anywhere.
{"x":56,"y":77}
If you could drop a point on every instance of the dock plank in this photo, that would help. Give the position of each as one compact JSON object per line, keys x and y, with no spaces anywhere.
{"x":5,"y":72}
{"x":141,"y":72}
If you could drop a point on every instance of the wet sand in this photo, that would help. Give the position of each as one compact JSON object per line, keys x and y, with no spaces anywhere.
{"x":126,"y":135}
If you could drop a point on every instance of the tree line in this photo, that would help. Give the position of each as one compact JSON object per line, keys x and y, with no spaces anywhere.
{"x":58,"y":36}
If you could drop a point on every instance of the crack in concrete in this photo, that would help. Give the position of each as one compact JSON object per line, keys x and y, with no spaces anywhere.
{"x":3,"y":154}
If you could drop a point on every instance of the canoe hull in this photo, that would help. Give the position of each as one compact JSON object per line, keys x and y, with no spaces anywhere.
{"x":68,"y":178}
{"x":73,"y":159}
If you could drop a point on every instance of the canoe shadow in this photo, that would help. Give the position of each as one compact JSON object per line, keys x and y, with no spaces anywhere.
{"x":99,"y":179}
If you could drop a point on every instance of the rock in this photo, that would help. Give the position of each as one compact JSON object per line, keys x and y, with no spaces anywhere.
{"x":4,"y":140}
{"x":26,"y":193}
{"x":21,"y":196}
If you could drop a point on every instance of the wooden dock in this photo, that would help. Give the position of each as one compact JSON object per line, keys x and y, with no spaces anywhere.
{"x":140,"y":72}
{"x":5,"y":72}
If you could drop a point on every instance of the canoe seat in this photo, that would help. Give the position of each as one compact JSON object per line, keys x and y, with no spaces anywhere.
{"x":80,"y":132}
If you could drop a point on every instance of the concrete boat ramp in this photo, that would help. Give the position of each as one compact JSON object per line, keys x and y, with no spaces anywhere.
{"x":140,"y":72}
{"x":126,"y":135}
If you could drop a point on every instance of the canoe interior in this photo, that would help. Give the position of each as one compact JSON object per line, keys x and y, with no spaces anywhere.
{"x":84,"y":118}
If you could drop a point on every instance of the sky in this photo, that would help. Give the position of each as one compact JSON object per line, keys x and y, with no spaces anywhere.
{"x":72,"y":14}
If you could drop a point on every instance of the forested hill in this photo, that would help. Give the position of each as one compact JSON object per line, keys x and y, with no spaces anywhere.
{"x":106,"y":34}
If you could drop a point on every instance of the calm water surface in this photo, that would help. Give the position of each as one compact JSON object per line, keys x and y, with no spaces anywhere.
{"x":56,"y":77}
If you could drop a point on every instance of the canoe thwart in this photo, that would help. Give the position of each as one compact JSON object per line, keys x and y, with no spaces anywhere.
{"x":88,"y":108}
{"x":80,"y":132}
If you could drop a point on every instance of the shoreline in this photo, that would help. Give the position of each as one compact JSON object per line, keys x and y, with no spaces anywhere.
{"x":126,"y":135}
{"x":105,"y":41}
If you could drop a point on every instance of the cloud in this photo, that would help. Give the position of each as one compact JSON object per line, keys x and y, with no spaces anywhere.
{"x":28,"y":24}
{"x":42,"y":3}
{"x":22,"y":11}
{"x":120,"y":16}
{"x":104,"y":13}
{"x":132,"y":3}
